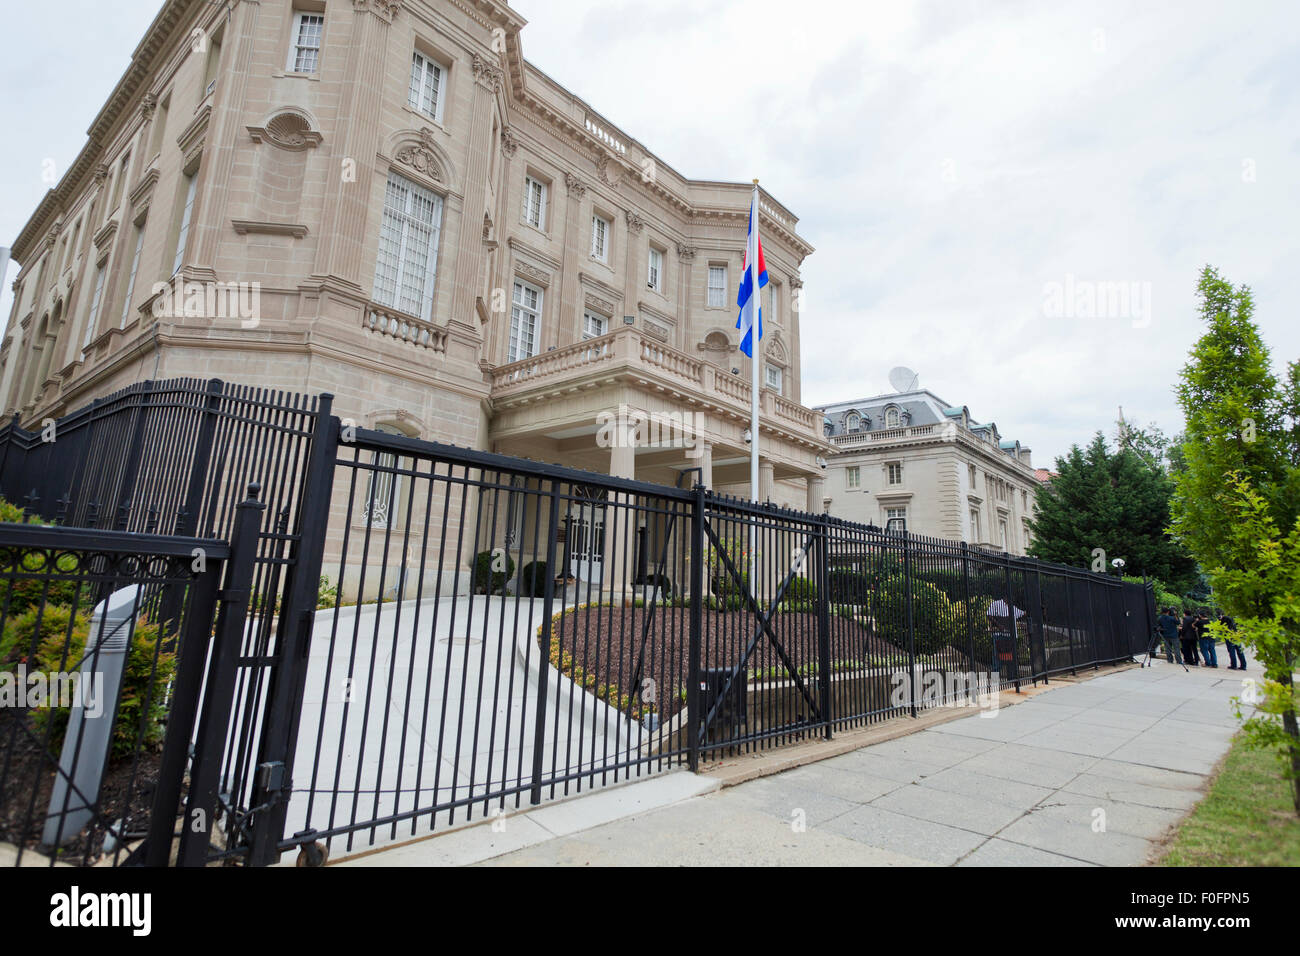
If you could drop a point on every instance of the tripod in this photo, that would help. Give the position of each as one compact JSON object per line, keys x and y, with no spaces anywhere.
{"x":1156,"y":638}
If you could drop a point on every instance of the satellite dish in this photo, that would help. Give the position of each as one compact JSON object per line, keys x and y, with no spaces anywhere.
{"x":904,"y":379}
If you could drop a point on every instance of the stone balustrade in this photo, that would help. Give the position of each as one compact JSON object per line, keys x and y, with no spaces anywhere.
{"x":403,"y":327}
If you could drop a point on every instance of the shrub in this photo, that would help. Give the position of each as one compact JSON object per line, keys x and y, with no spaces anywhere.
{"x":143,"y":694}
{"x":327,"y":594}
{"x":532,"y":579}
{"x":801,"y":591}
{"x":485,"y":579}
{"x":847,"y":586}
{"x":935,"y":619}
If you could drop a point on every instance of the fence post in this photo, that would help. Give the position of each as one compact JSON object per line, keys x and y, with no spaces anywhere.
{"x":697,"y":629}
{"x":1037,"y":610}
{"x":219,"y":693}
{"x":911,"y":632}
{"x":293,"y":640}
{"x":1092,"y":619}
{"x":544,"y":664}
{"x":1011,"y":621}
{"x":824,"y":620}
{"x":202,"y":461}
{"x":186,"y":693}
{"x":965,"y":587}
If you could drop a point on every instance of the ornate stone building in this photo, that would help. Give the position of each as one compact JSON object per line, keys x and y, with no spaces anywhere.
{"x":910,"y":460}
{"x":384,"y":200}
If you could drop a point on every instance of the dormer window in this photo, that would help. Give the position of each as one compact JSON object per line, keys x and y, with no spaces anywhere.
{"x":892,"y":416}
{"x":852,"y":422}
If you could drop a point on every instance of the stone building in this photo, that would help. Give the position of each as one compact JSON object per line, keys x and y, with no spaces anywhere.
{"x":382,"y":199}
{"x":910,"y":460}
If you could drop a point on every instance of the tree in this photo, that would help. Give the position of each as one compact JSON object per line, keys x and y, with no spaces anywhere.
{"x":1237,"y":500}
{"x":1114,"y":501}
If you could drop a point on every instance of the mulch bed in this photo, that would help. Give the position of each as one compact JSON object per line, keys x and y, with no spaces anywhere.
{"x":26,"y":768}
{"x":607,"y":642}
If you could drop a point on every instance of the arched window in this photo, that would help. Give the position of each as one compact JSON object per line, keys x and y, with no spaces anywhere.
{"x":852,"y":421}
{"x":891,"y":417}
{"x":383,"y":493}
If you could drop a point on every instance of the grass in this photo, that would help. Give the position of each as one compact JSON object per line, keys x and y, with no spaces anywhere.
{"x":1246,"y":819}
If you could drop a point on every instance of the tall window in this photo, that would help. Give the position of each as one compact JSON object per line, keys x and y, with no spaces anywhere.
{"x":773,"y":316}
{"x":304,"y":50}
{"x":891,"y":417}
{"x":525,"y":319}
{"x":974,"y":477}
{"x":655,"y":271}
{"x":122,"y":170}
{"x":1002,"y":530}
{"x":594,"y":325}
{"x":852,"y":422}
{"x":600,"y":238}
{"x":853,"y":477}
{"x":895,"y":472}
{"x":775,"y":378}
{"x":718,"y":286}
{"x":535,"y":202}
{"x":975,"y":525}
{"x":383,"y":495}
{"x":407,"y":267}
{"x":896,"y":519}
{"x":426,"y":87}
{"x":93,"y":319}
{"x":187,"y":213}
{"x":135,"y":267}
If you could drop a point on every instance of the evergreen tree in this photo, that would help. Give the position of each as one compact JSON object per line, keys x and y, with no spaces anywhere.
{"x":1117,"y":502}
{"x":1237,"y":503}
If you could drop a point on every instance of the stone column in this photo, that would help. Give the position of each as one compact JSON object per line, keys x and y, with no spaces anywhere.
{"x":620,"y":526}
{"x":686,"y":266}
{"x":356,"y":138}
{"x":564,"y":330}
{"x":816,"y":492}
{"x":766,"y":479}
{"x":706,"y":464}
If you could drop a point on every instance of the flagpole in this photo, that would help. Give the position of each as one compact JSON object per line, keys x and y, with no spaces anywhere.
{"x":754,"y":349}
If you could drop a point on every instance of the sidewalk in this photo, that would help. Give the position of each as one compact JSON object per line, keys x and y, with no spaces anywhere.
{"x":1093,"y":773}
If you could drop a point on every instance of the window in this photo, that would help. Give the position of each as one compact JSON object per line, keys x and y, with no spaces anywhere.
{"x":773,"y":316}
{"x":1024,"y":530}
{"x":95,"y":300}
{"x":304,"y":49}
{"x":775,"y":377}
{"x":426,"y":94}
{"x":135,"y":266}
{"x":1002,"y":530}
{"x":187,"y":213}
{"x":383,"y":494}
{"x":122,"y":172}
{"x":594,"y":325}
{"x":896,"y":519}
{"x":853,"y":477}
{"x":600,"y":239}
{"x":974,"y":477}
{"x":718,"y":286}
{"x":524,"y":319}
{"x":407,"y":267}
{"x":891,"y":417}
{"x":895,"y":469}
{"x":655,"y":271}
{"x":852,"y":422}
{"x":1024,"y":500}
{"x":975,"y":525}
{"x":535,"y":202}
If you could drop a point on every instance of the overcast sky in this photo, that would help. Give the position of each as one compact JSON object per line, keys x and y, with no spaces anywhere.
{"x":954,"y":164}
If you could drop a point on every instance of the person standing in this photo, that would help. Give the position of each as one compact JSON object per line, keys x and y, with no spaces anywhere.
{"x":1235,"y":651}
{"x":1187,"y":631}
{"x":1206,"y":640}
{"x":1168,"y":625}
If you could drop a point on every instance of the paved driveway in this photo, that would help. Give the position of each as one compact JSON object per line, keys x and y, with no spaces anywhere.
{"x":1093,"y":773}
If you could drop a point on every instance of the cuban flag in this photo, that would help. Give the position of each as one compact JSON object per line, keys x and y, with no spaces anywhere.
{"x":753,"y":276}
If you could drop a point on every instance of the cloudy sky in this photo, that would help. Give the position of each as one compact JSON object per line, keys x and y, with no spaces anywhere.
{"x":954,"y":163}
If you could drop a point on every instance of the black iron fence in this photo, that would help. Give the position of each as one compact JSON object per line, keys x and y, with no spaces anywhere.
{"x":436,"y":634}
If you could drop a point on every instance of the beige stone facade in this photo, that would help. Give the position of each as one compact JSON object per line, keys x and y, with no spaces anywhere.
{"x":381,"y":199}
{"x":914,"y":460}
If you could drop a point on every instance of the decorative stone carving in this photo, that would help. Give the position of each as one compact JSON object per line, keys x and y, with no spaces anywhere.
{"x":610,"y":171}
{"x":634,"y":223}
{"x":422,"y":157}
{"x":508,"y":142}
{"x":686,"y":253}
{"x":487,"y":226}
{"x":101,"y":173}
{"x":656,"y":329}
{"x":486,"y":75}
{"x":600,"y":305}
{"x":147,"y":106}
{"x":716,"y":341}
{"x":384,"y":9}
{"x":532,"y":272}
{"x":577,"y":189}
{"x":796,"y":282}
{"x":286,"y":130}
